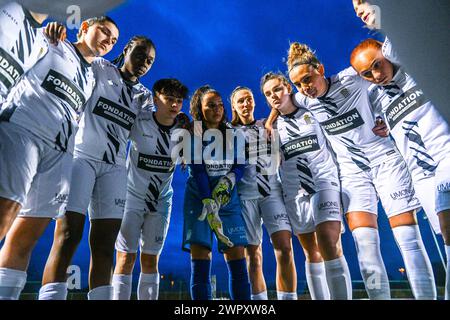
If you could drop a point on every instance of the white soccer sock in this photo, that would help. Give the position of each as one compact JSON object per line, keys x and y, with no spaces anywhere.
{"x":11,"y":283}
{"x":101,"y":293}
{"x":260,"y":296}
{"x":53,"y":291}
{"x":417,"y":264}
{"x":287,"y":295}
{"x":447,"y":276}
{"x":338,"y":279}
{"x":148,"y":287}
{"x":122,"y":286}
{"x":317,"y":281}
{"x":373,"y":271}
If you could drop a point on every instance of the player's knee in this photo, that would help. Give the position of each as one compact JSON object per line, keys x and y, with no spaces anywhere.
{"x":255,"y":263}
{"x":284,"y":253}
{"x":149,"y":263}
{"x":253,"y":251}
{"x":69,"y":236}
{"x":329,"y":247}
{"x":125,"y":262}
{"x":312,"y":255}
{"x":18,"y":249}
{"x":103,"y":251}
{"x":234,"y":253}
{"x":102,"y":246}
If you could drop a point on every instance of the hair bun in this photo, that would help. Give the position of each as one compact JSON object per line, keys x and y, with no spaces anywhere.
{"x":300,"y":53}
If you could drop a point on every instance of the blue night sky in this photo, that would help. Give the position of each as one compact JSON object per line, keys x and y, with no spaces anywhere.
{"x":226,"y":43}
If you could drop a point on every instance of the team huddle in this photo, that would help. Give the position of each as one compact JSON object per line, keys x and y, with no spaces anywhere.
{"x":82,"y":135}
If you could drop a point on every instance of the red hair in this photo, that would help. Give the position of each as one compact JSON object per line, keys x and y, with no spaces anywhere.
{"x":368,"y":43}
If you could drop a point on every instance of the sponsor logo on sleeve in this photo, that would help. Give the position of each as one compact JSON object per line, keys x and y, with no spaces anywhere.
{"x":300,"y":146}
{"x":404,"y":105}
{"x":343,"y":123}
{"x":114,"y":112}
{"x":155,"y":163}
{"x":10,"y":70}
{"x":64,"y":89}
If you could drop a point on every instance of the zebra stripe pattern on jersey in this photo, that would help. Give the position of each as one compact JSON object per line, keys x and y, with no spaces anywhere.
{"x":357,"y":155}
{"x":307,"y":165}
{"x":63,"y":137}
{"x":153,"y":192}
{"x":305,"y":175}
{"x":113,"y":145}
{"x":262,"y":165}
{"x":392,"y":90}
{"x":22,"y":44}
{"x":163,"y":151}
{"x":262,"y":180}
{"x":22,"y":49}
{"x":424,"y":160}
{"x":110,"y":115}
{"x":329,"y":106}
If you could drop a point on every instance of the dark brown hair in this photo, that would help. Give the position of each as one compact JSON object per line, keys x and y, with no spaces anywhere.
{"x":172,"y":87}
{"x":274,"y":75}
{"x":195,"y":107}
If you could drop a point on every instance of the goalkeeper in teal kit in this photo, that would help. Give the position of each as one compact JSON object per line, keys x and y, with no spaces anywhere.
{"x":211,"y":205}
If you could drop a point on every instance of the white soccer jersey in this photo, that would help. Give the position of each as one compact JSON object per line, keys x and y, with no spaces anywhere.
{"x":49,"y":97}
{"x":347,"y":118}
{"x":307,"y":164}
{"x":259,"y":179}
{"x":422,"y":135}
{"x":109,"y":115}
{"x":21,"y":45}
{"x":389,"y":52}
{"x":150,"y":165}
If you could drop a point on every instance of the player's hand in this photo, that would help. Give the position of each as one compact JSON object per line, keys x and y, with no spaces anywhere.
{"x":211,"y":213}
{"x":209,"y":206}
{"x":380,"y":128}
{"x":55,"y":32}
{"x":222,"y":191}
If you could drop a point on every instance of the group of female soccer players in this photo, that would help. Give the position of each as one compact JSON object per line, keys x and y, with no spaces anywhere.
{"x":329,"y":151}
